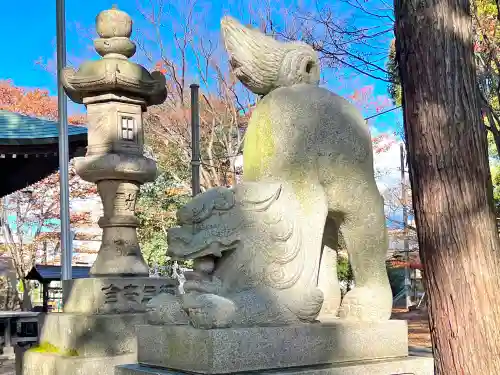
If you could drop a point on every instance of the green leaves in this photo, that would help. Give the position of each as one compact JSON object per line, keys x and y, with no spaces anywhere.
{"x":156,"y":209}
{"x":394,"y":87}
{"x":344,"y":270}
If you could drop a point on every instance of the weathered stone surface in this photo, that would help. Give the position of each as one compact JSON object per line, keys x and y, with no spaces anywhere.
{"x":320,"y":144}
{"x":53,"y":364}
{"x":114,"y":72}
{"x":265,"y":248}
{"x":263,"y":64}
{"x":267,"y":269}
{"x":166,"y":309}
{"x":116,"y":92}
{"x":92,"y":335}
{"x":96,"y":331}
{"x":222,"y":351}
{"x":111,"y":295}
{"x":395,"y":366}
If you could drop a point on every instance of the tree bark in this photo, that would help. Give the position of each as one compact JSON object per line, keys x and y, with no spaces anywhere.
{"x":26,"y":303}
{"x":451,"y":183}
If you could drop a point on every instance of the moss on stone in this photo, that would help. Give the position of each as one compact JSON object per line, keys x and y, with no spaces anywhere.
{"x":260,"y":151}
{"x":259,"y":143}
{"x":47,"y":347}
{"x":302,"y":192}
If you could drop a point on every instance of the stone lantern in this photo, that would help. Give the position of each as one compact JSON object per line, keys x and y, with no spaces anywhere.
{"x":97,"y":329}
{"x":116,"y":92}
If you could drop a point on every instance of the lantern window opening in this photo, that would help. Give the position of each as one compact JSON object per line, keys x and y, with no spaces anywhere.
{"x":128,"y":128}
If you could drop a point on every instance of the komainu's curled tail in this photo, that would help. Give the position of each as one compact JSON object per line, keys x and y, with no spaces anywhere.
{"x":263,"y":64}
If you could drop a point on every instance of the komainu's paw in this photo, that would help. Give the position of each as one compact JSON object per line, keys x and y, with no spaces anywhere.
{"x":367,"y":303}
{"x":208,"y":311}
{"x":212,"y":286}
{"x":166,"y":309}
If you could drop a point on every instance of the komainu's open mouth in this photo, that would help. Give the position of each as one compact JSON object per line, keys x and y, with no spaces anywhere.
{"x":217,"y":249}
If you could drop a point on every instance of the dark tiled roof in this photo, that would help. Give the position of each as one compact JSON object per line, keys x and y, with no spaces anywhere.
{"x":19,"y":129}
{"x":48,"y":273}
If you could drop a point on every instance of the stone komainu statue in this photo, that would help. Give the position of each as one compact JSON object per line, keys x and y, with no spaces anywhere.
{"x":264,"y":250}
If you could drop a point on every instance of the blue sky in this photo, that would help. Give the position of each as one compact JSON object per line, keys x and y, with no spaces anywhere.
{"x":33,"y":37}
{"x":30,"y":35}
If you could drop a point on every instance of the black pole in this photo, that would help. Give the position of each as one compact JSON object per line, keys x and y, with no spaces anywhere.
{"x":195,"y":139}
{"x":406,"y":244}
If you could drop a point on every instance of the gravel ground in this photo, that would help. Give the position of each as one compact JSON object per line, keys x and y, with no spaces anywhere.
{"x":418,"y":326}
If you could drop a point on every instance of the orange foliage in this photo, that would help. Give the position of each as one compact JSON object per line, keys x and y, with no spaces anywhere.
{"x":48,"y":237}
{"x":32,"y":102}
{"x":177,"y":191}
{"x":54,"y":235}
{"x":81,"y":218}
{"x":402,"y":264}
{"x":365,"y":99}
{"x":223,"y":119}
{"x":383,"y":142}
{"x":160,"y":67}
{"x":40,"y":205}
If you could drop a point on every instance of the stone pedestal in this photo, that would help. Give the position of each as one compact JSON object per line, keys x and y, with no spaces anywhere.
{"x":98,"y":328}
{"x":55,"y":364}
{"x":393,"y":366}
{"x":214,"y":351}
{"x":332,"y":347}
{"x":114,"y":295}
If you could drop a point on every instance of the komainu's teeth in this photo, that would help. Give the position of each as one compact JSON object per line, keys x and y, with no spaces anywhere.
{"x":215,"y":250}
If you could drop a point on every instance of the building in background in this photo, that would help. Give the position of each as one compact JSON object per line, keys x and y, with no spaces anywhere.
{"x":29,"y":149}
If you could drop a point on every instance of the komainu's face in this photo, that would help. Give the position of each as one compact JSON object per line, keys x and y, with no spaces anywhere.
{"x":209,"y":225}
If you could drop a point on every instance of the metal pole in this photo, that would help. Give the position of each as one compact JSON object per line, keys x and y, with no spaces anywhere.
{"x":5,"y":216}
{"x":66,"y":253}
{"x":406,"y":245}
{"x":195,"y":139}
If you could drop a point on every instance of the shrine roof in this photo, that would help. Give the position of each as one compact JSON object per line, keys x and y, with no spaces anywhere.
{"x":17,"y":129}
{"x":45,"y":273}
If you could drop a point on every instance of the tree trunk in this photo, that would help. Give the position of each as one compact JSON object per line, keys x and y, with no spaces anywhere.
{"x":26,"y":304}
{"x":451,"y":183}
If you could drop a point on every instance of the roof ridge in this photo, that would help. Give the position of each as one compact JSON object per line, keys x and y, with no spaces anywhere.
{"x":20,"y":129}
{"x":29,"y":116}
{"x":38,"y":118}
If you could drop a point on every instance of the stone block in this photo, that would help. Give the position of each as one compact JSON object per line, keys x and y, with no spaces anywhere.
{"x":54,"y":364}
{"x":219,"y":351}
{"x":92,"y":335}
{"x":112,"y":295}
{"x":394,"y":366}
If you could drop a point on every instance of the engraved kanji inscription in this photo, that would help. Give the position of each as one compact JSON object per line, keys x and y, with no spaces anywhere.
{"x":125,"y":200}
{"x":131,"y":293}
{"x":130,"y":201}
{"x":111,"y":293}
{"x":148,"y":293}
